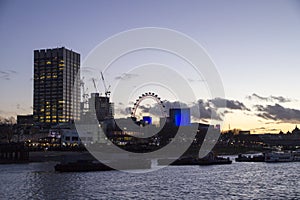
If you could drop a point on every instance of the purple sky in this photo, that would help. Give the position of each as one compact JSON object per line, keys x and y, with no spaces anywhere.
{"x":255,"y":44}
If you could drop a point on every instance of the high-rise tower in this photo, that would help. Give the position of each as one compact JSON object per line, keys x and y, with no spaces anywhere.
{"x":56,"y":91}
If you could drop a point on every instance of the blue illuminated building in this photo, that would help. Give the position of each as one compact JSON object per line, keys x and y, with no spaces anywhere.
{"x":180,"y":116}
{"x":147,"y":119}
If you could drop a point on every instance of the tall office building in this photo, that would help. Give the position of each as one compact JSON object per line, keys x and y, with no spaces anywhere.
{"x":56,"y":86}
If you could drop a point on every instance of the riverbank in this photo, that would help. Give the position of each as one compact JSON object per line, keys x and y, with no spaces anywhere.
{"x":59,"y":156}
{"x":63,"y":156}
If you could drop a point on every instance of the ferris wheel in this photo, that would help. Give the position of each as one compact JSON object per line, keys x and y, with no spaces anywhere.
{"x":148,"y":95}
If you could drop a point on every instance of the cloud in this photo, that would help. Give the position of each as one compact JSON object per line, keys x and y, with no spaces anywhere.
{"x":19,"y":107}
{"x":7,"y":113}
{"x":265,"y":130}
{"x":195,"y":80}
{"x":279,"y":99}
{"x":7,"y":120}
{"x":90,"y":70}
{"x":257,"y":97}
{"x":7,"y":74}
{"x":145,"y":108}
{"x":278,"y":113}
{"x":230,"y":104}
{"x":126,"y":76}
{"x":158,"y":110}
{"x":125,"y":111}
{"x":227,"y":112}
{"x":202,"y":109}
{"x":205,"y":110}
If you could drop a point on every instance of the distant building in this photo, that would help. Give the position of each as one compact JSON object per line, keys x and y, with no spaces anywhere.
{"x":127,"y":126}
{"x":24,"y":120}
{"x":244,"y":132}
{"x":24,"y":124}
{"x":180,"y":116}
{"x":296,"y":131}
{"x":56,"y":94}
{"x":102,"y":106}
{"x":147,"y":119}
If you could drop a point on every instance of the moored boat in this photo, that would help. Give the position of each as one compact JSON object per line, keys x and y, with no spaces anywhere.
{"x":296,"y":155}
{"x":279,"y":156}
{"x":209,"y":160}
{"x":254,"y":158}
{"x":81,"y":166}
{"x":89,"y":165}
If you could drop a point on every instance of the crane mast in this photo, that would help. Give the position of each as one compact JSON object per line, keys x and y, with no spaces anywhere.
{"x":95,"y":85}
{"x":84,"y":95}
{"x":106,"y":92}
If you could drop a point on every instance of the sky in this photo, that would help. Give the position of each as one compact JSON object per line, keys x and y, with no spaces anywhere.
{"x":255,"y":46}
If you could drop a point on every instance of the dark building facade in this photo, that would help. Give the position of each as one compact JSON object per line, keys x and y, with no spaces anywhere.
{"x":56,"y":86}
{"x":102,"y":106}
{"x":26,"y":120}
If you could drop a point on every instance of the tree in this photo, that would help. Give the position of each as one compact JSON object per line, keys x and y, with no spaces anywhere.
{"x":6,"y":128}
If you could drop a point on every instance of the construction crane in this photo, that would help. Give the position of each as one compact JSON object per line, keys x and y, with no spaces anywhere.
{"x":106,"y":89}
{"x":85,"y":95}
{"x":95,"y":85}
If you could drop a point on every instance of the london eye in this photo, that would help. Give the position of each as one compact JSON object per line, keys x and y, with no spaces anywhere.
{"x":148,"y":95}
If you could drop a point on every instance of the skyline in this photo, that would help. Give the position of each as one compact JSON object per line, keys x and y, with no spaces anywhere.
{"x":254,"y":45}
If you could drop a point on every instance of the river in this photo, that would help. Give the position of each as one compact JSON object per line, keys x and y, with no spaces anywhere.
{"x":235,"y":181}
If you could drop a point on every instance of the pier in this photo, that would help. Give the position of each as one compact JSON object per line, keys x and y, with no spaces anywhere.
{"x":13,"y":153}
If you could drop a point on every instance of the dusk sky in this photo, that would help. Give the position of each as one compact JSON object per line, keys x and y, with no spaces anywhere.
{"x":254,"y":44}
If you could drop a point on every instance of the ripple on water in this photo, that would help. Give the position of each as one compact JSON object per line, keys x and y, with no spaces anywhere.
{"x":235,"y":181}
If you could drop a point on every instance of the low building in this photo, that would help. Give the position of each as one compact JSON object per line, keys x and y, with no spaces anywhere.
{"x":25,"y":120}
{"x":24,"y":124}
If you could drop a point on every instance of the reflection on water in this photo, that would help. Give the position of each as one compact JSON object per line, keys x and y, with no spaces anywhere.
{"x":235,"y":181}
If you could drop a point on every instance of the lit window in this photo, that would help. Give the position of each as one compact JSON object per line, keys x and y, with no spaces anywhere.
{"x":48,"y":62}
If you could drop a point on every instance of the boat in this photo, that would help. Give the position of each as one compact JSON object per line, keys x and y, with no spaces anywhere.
{"x":215,"y":160}
{"x":254,"y":158}
{"x":279,"y":156}
{"x":296,"y":155}
{"x":81,"y":166}
{"x":90,"y":165}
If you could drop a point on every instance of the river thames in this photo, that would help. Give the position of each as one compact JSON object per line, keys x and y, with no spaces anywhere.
{"x":235,"y":181}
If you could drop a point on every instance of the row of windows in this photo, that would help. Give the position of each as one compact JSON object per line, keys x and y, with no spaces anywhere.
{"x":54,"y":78}
{"x":56,"y":66}
{"x":53,"y":121}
